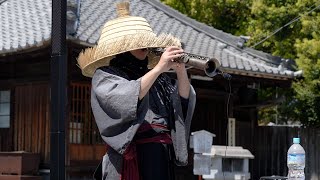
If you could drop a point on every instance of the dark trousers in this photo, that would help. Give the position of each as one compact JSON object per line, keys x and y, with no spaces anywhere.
{"x":155,"y":162}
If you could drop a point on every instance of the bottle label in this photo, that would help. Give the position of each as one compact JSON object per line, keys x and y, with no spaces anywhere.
{"x":296,"y":158}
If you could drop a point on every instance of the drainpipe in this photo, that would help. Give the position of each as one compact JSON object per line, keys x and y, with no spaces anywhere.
{"x":58,"y":89}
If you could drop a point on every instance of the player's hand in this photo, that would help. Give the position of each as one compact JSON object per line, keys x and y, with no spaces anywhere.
{"x":167,"y":60}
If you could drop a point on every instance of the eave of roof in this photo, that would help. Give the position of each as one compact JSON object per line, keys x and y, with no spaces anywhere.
{"x":29,"y":24}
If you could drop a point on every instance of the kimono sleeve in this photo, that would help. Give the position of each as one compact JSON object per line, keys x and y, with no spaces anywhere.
{"x":117,"y":96}
{"x":181,"y":131}
{"x":114,"y":102}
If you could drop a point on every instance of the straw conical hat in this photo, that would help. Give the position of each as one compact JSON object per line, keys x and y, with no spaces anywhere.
{"x":120,"y":35}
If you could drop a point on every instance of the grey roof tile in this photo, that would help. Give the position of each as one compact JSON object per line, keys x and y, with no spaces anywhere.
{"x":24,"y":24}
{"x":27,"y":23}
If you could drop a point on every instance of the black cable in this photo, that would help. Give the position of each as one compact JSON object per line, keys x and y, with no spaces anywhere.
{"x":290,"y":22}
{"x":227,"y":77}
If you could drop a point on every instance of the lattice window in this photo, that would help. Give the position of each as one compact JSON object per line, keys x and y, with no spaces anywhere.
{"x":82,"y":126}
{"x":5,"y":109}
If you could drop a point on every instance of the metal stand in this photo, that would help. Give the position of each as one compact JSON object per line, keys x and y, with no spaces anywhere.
{"x":273,"y":177}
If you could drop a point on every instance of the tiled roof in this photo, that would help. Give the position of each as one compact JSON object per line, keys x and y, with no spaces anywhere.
{"x":27,"y":23}
{"x":24,"y":24}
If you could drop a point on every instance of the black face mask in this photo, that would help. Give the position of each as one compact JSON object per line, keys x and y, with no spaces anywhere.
{"x":129,"y":64}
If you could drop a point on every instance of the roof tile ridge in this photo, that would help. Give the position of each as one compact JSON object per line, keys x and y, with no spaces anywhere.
{"x":229,"y":39}
{"x":201,"y":27}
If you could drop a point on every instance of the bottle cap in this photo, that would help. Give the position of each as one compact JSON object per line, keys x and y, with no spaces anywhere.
{"x":296,"y":140}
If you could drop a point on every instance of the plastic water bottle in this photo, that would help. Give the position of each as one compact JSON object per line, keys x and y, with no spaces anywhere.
{"x":296,"y":161}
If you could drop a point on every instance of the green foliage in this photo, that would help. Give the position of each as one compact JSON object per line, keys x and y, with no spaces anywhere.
{"x":299,"y":40}
{"x":281,"y":112}
{"x":227,"y":15}
{"x":267,"y":16}
{"x":308,"y":89}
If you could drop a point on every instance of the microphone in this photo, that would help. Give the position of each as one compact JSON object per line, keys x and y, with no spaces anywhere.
{"x":224,"y":74}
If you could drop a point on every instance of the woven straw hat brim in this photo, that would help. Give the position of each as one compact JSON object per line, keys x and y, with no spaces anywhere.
{"x":100,"y":55}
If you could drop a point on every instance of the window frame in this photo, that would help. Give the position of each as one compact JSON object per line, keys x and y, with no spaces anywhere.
{"x":10,"y":114}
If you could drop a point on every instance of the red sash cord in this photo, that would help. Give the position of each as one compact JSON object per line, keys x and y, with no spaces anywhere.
{"x":130,"y":170}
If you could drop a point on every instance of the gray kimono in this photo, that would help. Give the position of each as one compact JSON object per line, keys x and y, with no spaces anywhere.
{"x":114,"y":102}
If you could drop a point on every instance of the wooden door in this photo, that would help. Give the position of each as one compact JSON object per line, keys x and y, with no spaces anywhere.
{"x":85,"y":143}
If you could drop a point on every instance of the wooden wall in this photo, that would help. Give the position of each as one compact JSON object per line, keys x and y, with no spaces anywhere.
{"x":270,"y":145}
{"x":31,"y":120}
{"x":210,"y":115}
{"x":6,"y":143}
